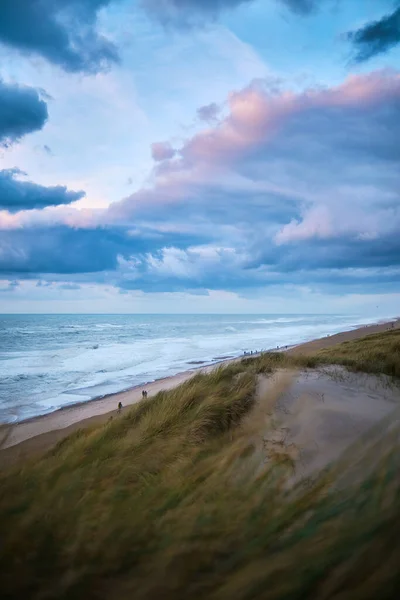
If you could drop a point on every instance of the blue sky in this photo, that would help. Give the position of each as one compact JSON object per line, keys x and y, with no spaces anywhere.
{"x":200,"y":156}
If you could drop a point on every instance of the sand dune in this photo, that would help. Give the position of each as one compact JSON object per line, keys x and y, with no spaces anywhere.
{"x":321,"y":413}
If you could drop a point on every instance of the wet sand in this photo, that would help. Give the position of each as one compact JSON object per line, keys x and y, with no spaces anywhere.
{"x":34,"y":436}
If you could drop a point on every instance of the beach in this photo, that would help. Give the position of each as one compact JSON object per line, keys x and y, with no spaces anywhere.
{"x":34,"y":436}
{"x":49,"y":362}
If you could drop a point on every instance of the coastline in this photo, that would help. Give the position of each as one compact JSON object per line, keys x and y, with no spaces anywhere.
{"x":35,"y":435}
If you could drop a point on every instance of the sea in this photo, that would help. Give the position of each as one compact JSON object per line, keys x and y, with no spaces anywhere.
{"x":52,"y":361}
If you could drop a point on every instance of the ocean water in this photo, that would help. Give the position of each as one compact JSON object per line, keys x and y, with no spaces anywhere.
{"x":51,"y":361}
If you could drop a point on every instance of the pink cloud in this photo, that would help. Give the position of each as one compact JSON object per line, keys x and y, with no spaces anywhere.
{"x":162,"y":151}
{"x":256,"y":114}
{"x":257,"y":117}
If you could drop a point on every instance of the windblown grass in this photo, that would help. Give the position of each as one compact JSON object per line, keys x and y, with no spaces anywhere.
{"x":175,"y":500}
{"x":377,"y":353}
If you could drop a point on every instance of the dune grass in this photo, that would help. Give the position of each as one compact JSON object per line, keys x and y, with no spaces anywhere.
{"x":378,"y":354}
{"x":175,"y":500}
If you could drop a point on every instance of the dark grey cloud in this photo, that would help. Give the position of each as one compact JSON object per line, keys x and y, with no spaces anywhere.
{"x":376,"y":37}
{"x":22,"y":111}
{"x":17,"y":194}
{"x":61,"y":31}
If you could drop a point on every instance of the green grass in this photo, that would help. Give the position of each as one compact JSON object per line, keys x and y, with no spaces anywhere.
{"x":174,"y":500}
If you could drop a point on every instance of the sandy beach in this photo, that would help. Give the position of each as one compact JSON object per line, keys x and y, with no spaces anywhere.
{"x":36,"y":435}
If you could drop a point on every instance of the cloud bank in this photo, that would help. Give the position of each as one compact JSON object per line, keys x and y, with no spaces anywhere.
{"x":288,"y":183}
{"x":285,"y":187}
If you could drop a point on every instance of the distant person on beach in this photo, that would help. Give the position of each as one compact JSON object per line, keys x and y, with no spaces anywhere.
{"x":119,"y":406}
{"x":143,"y":394}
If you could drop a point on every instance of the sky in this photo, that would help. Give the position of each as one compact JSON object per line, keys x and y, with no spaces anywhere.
{"x":200,"y":156}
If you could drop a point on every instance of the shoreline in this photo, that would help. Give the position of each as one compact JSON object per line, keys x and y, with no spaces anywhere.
{"x":192,"y":367}
{"x":36,"y":434}
{"x":147,"y":384}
